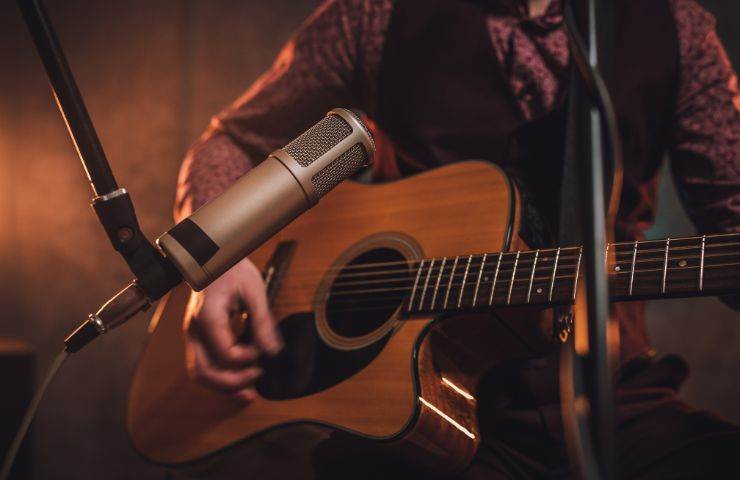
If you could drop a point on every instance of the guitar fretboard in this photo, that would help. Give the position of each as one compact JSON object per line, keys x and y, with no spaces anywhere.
{"x":681,"y":267}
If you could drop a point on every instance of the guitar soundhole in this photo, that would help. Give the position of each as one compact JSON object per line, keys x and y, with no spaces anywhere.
{"x":308,"y":364}
{"x":366,"y":292}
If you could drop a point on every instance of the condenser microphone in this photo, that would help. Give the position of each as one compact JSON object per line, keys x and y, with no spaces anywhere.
{"x":268,"y":197}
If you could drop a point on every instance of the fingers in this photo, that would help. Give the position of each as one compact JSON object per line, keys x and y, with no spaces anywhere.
{"x":216,"y":357}
{"x":247,"y":395}
{"x":213,"y":328}
{"x":239,"y":382}
{"x":260,"y":320}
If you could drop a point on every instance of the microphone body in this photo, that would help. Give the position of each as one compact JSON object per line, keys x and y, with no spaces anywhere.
{"x":268,"y":197}
{"x":222,"y":232}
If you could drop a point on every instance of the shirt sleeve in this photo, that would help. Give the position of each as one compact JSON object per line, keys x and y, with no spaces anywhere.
{"x":705,"y":154}
{"x":330,"y":61}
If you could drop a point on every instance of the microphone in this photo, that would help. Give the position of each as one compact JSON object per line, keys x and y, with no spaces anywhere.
{"x":268,"y":197}
{"x":225,"y":230}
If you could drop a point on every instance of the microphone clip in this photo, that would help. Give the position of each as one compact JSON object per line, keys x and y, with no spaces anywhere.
{"x":154,"y":273}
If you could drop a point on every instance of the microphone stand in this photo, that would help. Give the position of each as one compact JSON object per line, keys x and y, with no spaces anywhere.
{"x":154,"y":274}
{"x":586,"y":373}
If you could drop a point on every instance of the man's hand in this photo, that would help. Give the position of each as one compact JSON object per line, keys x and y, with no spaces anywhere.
{"x":214,"y":322}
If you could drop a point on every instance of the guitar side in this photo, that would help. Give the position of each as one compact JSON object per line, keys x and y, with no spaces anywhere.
{"x":416,"y":396}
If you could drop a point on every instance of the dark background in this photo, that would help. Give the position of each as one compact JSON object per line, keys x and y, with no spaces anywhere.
{"x":152,"y":73}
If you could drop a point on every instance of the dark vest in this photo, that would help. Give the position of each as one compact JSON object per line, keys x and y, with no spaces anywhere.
{"x":444,"y":98}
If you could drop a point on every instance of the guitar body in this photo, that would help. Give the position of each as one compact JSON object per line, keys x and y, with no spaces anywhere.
{"x":401,"y":386}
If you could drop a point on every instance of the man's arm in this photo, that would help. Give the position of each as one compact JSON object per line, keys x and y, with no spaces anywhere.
{"x":318,"y":69}
{"x":331,"y":61}
{"x":706,"y":144}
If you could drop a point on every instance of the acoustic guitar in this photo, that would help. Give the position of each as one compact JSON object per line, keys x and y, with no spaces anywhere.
{"x":369,"y":288}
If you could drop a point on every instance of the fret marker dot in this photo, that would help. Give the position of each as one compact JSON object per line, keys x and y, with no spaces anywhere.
{"x":539,"y":290}
{"x":682,"y":263}
{"x":617,"y":268}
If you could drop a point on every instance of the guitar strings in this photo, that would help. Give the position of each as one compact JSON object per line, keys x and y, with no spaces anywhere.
{"x":578,"y":249}
{"x":504,"y":268}
{"x":504,"y":292}
{"x":527,"y":280}
{"x":629,"y":251}
{"x":352,"y":270}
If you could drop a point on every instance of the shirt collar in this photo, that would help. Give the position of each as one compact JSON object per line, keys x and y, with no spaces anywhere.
{"x":552,"y":18}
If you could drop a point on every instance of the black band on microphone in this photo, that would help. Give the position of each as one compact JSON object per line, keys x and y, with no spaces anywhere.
{"x":193,"y":239}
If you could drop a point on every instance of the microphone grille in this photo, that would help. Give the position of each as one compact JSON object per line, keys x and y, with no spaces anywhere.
{"x":330,"y":151}
{"x":337,"y":171}
{"x":318,"y":140}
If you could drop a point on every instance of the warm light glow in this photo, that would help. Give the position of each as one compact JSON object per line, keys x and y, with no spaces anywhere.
{"x":457,"y":389}
{"x":159,"y":311}
{"x":448,"y":418}
{"x":580,"y":323}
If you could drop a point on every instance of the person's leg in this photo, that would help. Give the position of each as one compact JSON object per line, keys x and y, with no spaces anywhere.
{"x":498,"y":461}
{"x":677,"y":441}
{"x":660,"y":437}
{"x":710,"y":457}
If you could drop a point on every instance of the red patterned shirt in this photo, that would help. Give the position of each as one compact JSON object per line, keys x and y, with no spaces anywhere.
{"x":334,"y":59}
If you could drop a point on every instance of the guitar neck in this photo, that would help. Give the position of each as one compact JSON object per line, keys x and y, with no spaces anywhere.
{"x":669,"y":268}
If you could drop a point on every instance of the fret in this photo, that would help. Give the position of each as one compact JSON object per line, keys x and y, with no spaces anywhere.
{"x":642,"y":270}
{"x":480,"y":275}
{"x":436,"y":285}
{"x":531,"y":277}
{"x":632,"y":270}
{"x":577,"y":274}
{"x":662,"y":269}
{"x":701,"y":263}
{"x":513,"y":275}
{"x":665,"y":264}
{"x":554,"y":272}
{"x":426,"y":284}
{"x":464,"y":280}
{"x":413,"y":290}
{"x":449,"y":284}
{"x":495,"y":277}
{"x":720,"y":271}
{"x":542,"y":273}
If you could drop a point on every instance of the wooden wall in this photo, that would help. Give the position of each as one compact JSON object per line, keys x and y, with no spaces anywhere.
{"x":152,"y":72}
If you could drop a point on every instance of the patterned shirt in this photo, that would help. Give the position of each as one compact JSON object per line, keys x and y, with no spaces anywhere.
{"x":334,"y":59}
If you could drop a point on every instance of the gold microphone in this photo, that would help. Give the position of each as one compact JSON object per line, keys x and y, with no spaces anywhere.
{"x":289,"y":182}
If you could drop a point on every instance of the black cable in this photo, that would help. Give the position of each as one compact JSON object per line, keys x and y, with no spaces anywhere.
{"x":30,"y":413}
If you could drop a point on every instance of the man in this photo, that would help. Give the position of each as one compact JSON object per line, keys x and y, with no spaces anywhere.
{"x":448,"y":80}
